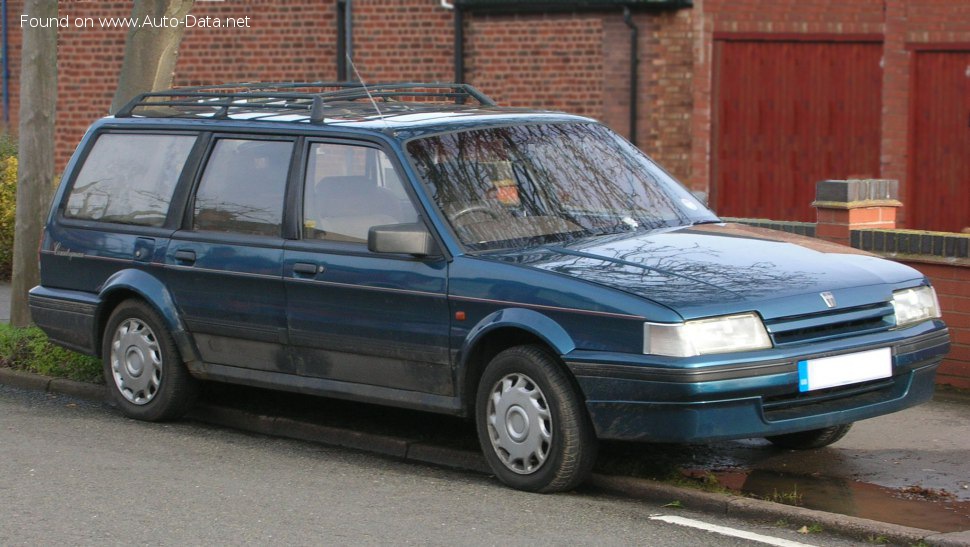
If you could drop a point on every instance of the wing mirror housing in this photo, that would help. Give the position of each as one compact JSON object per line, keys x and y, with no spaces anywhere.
{"x":412,"y":239}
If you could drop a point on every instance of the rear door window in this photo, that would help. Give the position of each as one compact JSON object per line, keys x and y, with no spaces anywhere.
{"x":129,"y":178}
{"x":243,"y":187}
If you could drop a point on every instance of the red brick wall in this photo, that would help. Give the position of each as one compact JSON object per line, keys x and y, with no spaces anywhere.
{"x":538,"y":61}
{"x":15,"y":41}
{"x":952,"y":285}
{"x":404,"y":40}
{"x":666,"y":100}
{"x":616,"y":77}
{"x":295,"y":40}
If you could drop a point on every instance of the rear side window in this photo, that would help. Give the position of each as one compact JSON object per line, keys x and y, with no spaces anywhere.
{"x":129,"y":178}
{"x":243,"y":187}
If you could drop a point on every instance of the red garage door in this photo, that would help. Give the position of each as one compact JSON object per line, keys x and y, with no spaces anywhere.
{"x":788,"y":114}
{"x":938,"y":196}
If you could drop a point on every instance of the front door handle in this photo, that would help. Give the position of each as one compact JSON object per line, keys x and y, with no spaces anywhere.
{"x":305,"y":268}
{"x":187,"y":257}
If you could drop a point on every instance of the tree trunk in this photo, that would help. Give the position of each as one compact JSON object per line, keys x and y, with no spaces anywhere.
{"x":150,"y":51}
{"x":35,"y":177}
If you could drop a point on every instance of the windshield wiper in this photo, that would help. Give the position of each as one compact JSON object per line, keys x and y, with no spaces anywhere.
{"x":699,"y":222}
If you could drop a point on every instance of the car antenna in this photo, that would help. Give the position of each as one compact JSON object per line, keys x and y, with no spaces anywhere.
{"x":367,"y":91}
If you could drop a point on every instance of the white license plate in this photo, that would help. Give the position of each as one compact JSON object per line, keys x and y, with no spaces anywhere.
{"x":841,"y":370}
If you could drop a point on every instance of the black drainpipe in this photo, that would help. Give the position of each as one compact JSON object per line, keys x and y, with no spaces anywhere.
{"x":634,"y":71}
{"x":345,"y":41}
{"x":341,"y":41}
{"x":349,"y":38}
{"x":459,"y":45}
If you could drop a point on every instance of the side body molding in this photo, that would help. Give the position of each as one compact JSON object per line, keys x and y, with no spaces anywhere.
{"x":153,"y":291}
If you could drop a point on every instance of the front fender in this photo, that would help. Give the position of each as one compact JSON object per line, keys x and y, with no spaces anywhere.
{"x":153,"y":291}
{"x":523,"y":319}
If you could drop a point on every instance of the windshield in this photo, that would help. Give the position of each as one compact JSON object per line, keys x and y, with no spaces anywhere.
{"x":527,"y":185}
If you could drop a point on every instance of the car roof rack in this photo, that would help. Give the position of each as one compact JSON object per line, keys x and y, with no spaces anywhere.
{"x":314,"y":98}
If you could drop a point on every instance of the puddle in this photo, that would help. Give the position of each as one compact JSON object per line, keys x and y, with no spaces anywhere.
{"x":916,"y":507}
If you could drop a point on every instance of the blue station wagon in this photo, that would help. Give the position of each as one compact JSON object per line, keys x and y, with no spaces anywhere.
{"x":417,"y":246}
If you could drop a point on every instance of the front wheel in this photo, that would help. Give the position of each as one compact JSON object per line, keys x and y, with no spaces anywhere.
{"x":532,"y":423}
{"x":142,"y":366}
{"x":814,"y":438}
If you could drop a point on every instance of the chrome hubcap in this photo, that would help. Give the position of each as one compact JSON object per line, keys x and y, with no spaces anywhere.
{"x":519,"y":423}
{"x":136,"y":361}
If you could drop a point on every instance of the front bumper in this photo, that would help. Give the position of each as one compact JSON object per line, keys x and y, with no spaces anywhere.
{"x":632,"y":398}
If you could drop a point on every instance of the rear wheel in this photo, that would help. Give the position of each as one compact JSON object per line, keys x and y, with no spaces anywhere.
{"x":142,"y":366}
{"x":532,"y":423}
{"x":814,"y":438}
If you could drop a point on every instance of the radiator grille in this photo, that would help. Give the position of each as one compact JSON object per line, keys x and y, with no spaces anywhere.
{"x":831,"y":324}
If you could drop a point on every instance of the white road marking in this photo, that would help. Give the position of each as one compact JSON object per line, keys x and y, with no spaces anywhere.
{"x":724,"y":530}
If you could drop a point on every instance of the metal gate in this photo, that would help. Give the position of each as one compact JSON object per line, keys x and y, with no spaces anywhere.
{"x":938,"y":189}
{"x":790,"y":111}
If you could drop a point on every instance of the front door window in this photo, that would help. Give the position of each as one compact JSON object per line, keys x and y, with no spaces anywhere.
{"x":350,"y":189}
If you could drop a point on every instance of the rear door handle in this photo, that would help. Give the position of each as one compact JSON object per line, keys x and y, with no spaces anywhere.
{"x":305,"y":268}
{"x":188,"y":257}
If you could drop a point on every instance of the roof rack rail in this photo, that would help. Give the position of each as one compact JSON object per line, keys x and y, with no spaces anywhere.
{"x":314,"y":98}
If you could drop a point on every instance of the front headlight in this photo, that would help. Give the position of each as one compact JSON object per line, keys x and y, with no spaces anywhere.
{"x":915,"y":305}
{"x":726,"y":334}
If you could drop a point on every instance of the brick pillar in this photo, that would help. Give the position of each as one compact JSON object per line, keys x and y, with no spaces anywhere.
{"x":846,"y":205}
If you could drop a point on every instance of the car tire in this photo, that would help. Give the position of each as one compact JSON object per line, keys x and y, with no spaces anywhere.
{"x":142,"y":366}
{"x":532,"y":424}
{"x":815,"y":438}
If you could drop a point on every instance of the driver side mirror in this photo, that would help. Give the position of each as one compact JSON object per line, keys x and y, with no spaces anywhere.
{"x":412,"y":239}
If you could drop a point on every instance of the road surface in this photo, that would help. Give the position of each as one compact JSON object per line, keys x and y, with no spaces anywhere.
{"x":74,"y":472}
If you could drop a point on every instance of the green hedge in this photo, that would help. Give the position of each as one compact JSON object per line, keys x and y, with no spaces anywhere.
{"x":29,"y":350}
{"x":8,"y":202}
{"x":8,"y":145}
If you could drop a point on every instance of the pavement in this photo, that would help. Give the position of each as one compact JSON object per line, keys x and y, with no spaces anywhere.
{"x":902,"y":478}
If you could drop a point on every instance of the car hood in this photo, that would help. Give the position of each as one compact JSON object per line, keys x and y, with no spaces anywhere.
{"x":713,"y":269}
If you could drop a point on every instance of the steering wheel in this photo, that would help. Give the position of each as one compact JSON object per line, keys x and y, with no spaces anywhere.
{"x":474,"y":209}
